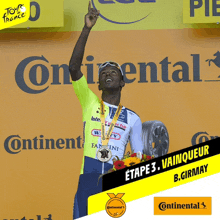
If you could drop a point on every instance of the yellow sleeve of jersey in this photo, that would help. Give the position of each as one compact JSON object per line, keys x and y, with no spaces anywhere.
{"x":84,"y":93}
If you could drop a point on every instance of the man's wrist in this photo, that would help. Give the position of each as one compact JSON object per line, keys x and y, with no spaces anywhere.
{"x":87,"y":28}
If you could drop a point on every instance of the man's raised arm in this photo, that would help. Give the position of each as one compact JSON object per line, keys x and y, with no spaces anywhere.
{"x":78,"y":52}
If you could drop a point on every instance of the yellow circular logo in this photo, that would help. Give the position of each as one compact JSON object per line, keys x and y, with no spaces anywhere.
{"x":115,"y":207}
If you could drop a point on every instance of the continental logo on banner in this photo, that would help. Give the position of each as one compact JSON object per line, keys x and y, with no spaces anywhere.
{"x":123,"y":10}
{"x":182,"y":206}
{"x":177,"y":168}
{"x":33,"y":75}
{"x":201,"y":137}
{"x":115,"y":207}
{"x":14,"y":144}
{"x":201,"y":11}
{"x":14,"y":12}
{"x":35,"y":85}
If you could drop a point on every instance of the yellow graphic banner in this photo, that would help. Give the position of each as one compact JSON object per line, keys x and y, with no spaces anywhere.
{"x":201,"y":11}
{"x":14,"y":12}
{"x":97,"y":203}
{"x":44,"y":14}
{"x":114,"y":15}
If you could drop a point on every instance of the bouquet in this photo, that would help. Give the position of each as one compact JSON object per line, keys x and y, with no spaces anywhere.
{"x":128,"y":160}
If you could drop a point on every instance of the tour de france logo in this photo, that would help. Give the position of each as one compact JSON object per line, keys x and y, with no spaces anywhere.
{"x":115,"y":206}
{"x":13,"y":13}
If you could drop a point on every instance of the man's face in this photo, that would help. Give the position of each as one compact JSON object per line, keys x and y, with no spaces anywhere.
{"x":110,"y":78}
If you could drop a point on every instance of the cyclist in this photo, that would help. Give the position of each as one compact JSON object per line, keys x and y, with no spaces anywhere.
{"x":108,"y":126}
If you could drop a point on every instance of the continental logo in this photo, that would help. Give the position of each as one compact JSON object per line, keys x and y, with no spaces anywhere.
{"x":115,"y":206}
{"x":14,"y":144}
{"x":182,"y":206}
{"x":35,"y":74}
{"x":123,"y":10}
{"x":201,"y":137}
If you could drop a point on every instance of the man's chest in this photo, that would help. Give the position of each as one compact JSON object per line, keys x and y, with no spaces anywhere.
{"x":121,"y":126}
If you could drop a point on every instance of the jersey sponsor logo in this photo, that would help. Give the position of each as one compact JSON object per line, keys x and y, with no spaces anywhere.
{"x":117,"y":125}
{"x":122,"y":116}
{"x":95,"y":119}
{"x":111,"y":147}
{"x":97,"y":133}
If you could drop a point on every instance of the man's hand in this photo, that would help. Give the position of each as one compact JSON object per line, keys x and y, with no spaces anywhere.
{"x":78,"y":52}
{"x":91,"y":17}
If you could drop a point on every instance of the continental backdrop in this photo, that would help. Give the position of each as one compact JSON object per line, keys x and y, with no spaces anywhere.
{"x":172,"y":74}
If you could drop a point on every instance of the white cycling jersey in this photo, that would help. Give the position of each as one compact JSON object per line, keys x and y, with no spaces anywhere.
{"x":127,"y":128}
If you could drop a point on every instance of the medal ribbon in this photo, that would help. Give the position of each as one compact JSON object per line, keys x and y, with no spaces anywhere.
{"x":105,"y":139}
